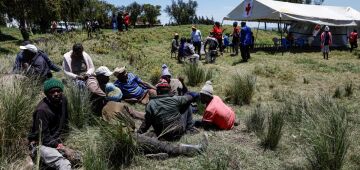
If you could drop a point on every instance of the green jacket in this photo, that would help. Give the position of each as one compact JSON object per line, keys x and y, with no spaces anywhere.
{"x":164,"y":112}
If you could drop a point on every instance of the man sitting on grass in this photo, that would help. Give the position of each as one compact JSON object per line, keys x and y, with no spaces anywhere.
{"x":178,"y":88}
{"x":170,"y":116}
{"x":217,"y":114}
{"x":50,"y":121}
{"x":133,"y":88}
{"x":150,"y":146}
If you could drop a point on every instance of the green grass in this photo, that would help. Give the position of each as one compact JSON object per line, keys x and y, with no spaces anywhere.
{"x":279,"y":80}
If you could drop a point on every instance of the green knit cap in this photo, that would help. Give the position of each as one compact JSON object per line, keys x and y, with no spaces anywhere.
{"x":52,"y":83}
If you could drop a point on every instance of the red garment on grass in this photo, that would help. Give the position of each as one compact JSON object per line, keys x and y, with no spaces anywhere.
{"x":353,"y":37}
{"x":217,"y":32}
{"x":218,"y":113}
{"x":127,"y":19}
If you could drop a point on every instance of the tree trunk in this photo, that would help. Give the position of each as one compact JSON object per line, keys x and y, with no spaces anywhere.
{"x":265,"y":26}
{"x":23,"y":30}
{"x":279,"y":27}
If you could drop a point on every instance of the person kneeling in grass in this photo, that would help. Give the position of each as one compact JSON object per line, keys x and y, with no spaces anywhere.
{"x":50,"y":121}
{"x":150,"y":146}
{"x":177,"y":86}
{"x":217,"y":114}
{"x":132,"y":87}
{"x":170,"y":116}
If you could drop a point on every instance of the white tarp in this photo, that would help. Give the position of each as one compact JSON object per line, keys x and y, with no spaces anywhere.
{"x":271,"y":11}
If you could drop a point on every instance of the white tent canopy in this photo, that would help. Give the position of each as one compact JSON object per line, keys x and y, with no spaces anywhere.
{"x":272,"y":11}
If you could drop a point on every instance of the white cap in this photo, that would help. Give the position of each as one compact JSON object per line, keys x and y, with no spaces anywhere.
{"x":165,"y":71}
{"x":103,"y":70}
{"x":29,"y":47}
{"x":207,"y":89}
{"x":327,"y":28}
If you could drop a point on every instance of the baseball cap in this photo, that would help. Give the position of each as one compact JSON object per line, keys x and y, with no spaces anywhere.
{"x":103,"y":70}
{"x":29,"y":47}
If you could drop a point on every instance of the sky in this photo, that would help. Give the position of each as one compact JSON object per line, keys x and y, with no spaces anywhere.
{"x":219,"y":8}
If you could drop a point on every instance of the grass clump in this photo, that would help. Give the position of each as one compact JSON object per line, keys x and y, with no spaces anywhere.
{"x":241,"y":89}
{"x":346,"y":90}
{"x":267,"y":71}
{"x":255,"y":121}
{"x":79,"y":106}
{"x":17,"y":101}
{"x":349,"y":89}
{"x":155,"y":75}
{"x":326,"y":132}
{"x":274,"y":130}
{"x":197,"y":74}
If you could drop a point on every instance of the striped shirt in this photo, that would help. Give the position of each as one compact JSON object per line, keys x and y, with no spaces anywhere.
{"x":131,"y":89}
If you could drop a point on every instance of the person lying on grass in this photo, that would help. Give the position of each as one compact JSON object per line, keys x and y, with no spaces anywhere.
{"x":170,"y":116}
{"x":217,"y":114}
{"x":150,"y":146}
{"x":50,"y":121}
{"x":132,"y":87}
{"x":177,"y":86}
{"x":78,"y":65}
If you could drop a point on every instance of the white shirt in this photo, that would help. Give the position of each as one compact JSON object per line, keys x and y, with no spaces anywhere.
{"x":196,"y":36}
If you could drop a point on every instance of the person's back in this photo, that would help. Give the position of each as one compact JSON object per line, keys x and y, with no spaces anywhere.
{"x":218,"y":113}
{"x":212,"y":43}
{"x":245,"y":37}
{"x":353,"y":37}
{"x":226,"y":41}
{"x":38,"y":67}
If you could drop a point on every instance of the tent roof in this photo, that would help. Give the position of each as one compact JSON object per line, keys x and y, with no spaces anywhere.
{"x":270,"y":11}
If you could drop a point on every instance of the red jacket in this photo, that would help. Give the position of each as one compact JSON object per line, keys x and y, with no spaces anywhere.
{"x":219,"y":114}
{"x":322,"y":37}
{"x":217,"y":32}
{"x":353,"y":37}
{"x":127,"y":19}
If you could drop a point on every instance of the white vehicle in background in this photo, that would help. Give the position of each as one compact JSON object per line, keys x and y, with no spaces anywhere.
{"x":71,"y":26}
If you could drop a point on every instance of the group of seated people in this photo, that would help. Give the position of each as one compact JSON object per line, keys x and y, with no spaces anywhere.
{"x":168,"y":106}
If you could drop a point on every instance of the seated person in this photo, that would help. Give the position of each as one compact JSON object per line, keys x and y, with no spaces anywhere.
{"x":78,"y":65}
{"x":189,"y":51}
{"x":170,"y":116}
{"x":181,"y":51}
{"x":96,"y":85}
{"x":212,"y":50}
{"x":178,"y":88}
{"x":33,"y":63}
{"x":51,"y":114}
{"x":132,"y":87}
{"x":217,"y":113}
{"x":20,"y":59}
{"x":227,"y":41}
{"x":152,"y":147}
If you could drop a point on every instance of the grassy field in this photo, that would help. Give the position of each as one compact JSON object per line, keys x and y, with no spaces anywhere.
{"x":329,"y":88}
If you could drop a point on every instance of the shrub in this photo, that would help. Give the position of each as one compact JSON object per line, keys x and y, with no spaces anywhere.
{"x":79,"y":105}
{"x":241,"y":89}
{"x":196,"y":74}
{"x":338,"y":93}
{"x":94,"y":160}
{"x":326,"y":133}
{"x":155,"y":76}
{"x":17,"y":101}
{"x":255,"y":121}
{"x":274,"y":130}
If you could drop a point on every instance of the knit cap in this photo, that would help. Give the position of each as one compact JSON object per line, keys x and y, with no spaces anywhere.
{"x":53,"y":83}
{"x":163,"y":87}
{"x":165,"y":70}
{"x":113,"y":93}
{"x":207,"y":89}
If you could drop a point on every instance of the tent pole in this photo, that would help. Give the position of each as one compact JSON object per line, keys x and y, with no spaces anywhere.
{"x":281,"y":36}
{"x":257,"y":30}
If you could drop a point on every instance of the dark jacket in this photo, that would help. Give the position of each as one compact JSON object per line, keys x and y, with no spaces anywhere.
{"x":38,"y":68}
{"x":163,"y":112}
{"x":17,"y":68}
{"x":54,"y":122}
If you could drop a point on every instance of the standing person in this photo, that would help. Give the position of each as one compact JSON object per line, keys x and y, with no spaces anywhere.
{"x":217,"y":113}
{"x":212,"y":51}
{"x":181,"y":54}
{"x":245,"y":41}
{"x":126,"y":20}
{"x":120,"y":22}
{"x":326,"y":41}
{"x":20,"y":59}
{"x":50,"y":120}
{"x":78,"y":65}
{"x":217,"y":32}
{"x":236,"y":38}
{"x":175,"y":44}
{"x":353,"y":40}
{"x":114,"y":22}
{"x":196,"y":39}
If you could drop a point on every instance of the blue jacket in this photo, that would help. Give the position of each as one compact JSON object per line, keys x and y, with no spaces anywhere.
{"x":20,"y":59}
{"x":245,"y":36}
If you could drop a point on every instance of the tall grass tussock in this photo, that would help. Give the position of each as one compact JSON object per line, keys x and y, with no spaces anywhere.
{"x":196,"y":74}
{"x":241,"y":89}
